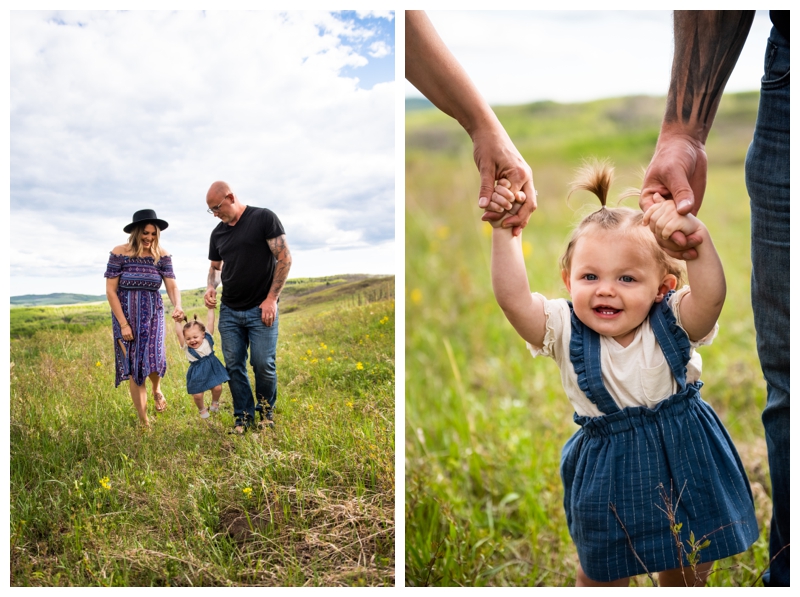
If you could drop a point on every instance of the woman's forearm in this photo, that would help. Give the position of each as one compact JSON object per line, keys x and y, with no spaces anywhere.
{"x":435,"y":72}
{"x":173,"y":292}
{"x":113,"y":300}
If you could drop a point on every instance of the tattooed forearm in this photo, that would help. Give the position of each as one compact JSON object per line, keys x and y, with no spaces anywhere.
{"x":214,"y":274}
{"x":707,"y":46}
{"x":280,"y":249}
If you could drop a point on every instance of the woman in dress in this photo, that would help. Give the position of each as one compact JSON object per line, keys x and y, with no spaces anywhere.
{"x":133,"y":279}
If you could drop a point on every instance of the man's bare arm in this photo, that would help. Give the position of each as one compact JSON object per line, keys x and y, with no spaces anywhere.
{"x":212,"y":283}
{"x":707,"y":46}
{"x":280,"y":249}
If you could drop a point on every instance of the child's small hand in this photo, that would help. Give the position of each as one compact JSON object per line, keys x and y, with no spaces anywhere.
{"x":503,"y":200}
{"x":664,"y":219}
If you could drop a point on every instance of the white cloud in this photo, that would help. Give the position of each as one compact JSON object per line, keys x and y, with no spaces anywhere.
{"x":113,"y":112}
{"x":516,"y":57}
{"x":379,"y":49}
{"x":376,"y":14}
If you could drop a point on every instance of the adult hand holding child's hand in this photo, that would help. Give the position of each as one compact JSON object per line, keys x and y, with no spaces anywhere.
{"x":210,"y":298}
{"x":664,"y":221}
{"x":498,"y":160}
{"x":515,"y":201}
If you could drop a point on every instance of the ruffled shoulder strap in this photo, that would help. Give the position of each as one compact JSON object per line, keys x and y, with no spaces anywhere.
{"x":114,"y":267}
{"x":672,"y":339}
{"x":584,"y":354}
{"x":164,"y":266}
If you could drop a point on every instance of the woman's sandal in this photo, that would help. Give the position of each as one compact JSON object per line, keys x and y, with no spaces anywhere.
{"x":161,"y":402}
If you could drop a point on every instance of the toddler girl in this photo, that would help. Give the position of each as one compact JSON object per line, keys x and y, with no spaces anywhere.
{"x":651,"y":459}
{"x":205,"y":371}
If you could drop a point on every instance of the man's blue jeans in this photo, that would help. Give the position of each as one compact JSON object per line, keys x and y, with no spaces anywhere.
{"x":240,"y":330}
{"x":767,"y":177}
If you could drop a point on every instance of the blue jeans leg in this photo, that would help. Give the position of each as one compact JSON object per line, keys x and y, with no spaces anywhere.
{"x":235,"y":340}
{"x":767,"y":177}
{"x":240,"y":331}
{"x":263,"y":347}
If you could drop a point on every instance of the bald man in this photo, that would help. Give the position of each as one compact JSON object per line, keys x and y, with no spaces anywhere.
{"x":251,"y":244}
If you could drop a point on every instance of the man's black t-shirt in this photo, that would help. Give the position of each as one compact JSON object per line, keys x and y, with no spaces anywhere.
{"x":249,"y":263}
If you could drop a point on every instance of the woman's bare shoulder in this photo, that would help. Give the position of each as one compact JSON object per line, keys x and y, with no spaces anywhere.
{"x":122,"y":250}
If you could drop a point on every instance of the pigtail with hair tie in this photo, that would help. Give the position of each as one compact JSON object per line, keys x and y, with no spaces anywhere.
{"x":594,"y":176}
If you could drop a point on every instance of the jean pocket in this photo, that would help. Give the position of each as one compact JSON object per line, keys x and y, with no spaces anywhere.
{"x":776,"y":67}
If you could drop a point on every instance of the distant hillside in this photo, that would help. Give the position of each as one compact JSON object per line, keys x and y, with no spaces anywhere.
{"x":294,"y":287}
{"x":57,"y":298}
{"x":308,"y":296}
{"x":418,"y":103}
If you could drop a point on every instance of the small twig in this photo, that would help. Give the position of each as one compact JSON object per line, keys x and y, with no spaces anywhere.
{"x":432,"y":563}
{"x":769,"y":564}
{"x":630,"y":543}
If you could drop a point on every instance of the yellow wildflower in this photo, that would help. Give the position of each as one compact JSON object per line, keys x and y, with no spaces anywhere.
{"x":350,"y":404}
{"x":527,"y":248}
{"x":104,"y":483}
{"x":416,"y":296}
{"x":248,"y":492}
{"x":329,"y":359}
{"x":359,"y":366}
{"x":97,"y":364}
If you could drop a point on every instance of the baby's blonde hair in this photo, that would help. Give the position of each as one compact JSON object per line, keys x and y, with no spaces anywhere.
{"x":596,"y":176}
{"x":193,"y":322}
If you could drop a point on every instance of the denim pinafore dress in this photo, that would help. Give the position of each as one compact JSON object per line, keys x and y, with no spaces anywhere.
{"x":623,"y":470}
{"x":206,"y":372}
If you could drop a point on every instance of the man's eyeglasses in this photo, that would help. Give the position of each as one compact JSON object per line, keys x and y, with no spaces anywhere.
{"x":214,"y":210}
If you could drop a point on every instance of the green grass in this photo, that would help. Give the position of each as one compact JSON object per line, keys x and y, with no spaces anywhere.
{"x":95,"y":501}
{"x":485,"y":422}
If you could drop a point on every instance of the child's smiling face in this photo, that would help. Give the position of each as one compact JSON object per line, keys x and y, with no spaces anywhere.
{"x":194,"y":336}
{"x":613,"y":282}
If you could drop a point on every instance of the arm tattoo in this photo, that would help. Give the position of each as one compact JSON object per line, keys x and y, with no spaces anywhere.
{"x":707,"y":46}
{"x":214,"y":276}
{"x":283,"y":258}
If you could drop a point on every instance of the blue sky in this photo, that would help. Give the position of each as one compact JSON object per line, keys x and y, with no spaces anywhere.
{"x":517,"y":57}
{"x":378,"y":49}
{"x":111,"y":112}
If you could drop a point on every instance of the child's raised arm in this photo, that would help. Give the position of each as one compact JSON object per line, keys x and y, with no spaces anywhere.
{"x":210,"y":322}
{"x":700,"y":309}
{"x":511,"y":289}
{"x":179,"y":333}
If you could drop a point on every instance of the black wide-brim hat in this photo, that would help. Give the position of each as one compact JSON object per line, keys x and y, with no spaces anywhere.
{"x":145,"y":216}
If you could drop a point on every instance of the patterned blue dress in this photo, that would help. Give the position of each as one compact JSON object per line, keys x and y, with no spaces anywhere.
{"x":138,"y":292}
{"x":617,"y":468}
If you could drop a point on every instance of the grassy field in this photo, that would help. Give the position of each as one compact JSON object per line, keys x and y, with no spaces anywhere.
{"x":95,"y":501}
{"x":485,"y":423}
